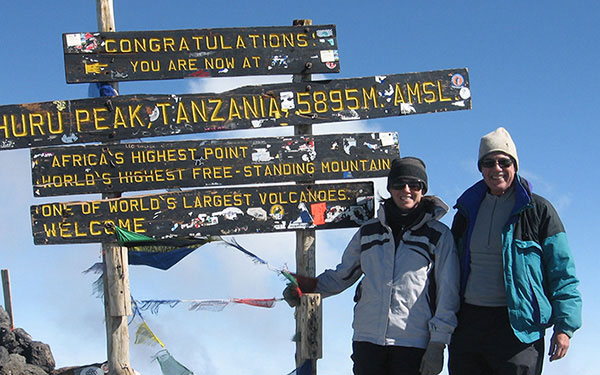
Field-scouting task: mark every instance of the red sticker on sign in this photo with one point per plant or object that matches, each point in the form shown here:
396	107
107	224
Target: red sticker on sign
318	213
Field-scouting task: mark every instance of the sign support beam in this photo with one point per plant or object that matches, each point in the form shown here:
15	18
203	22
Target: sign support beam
305	257
117	299
7	297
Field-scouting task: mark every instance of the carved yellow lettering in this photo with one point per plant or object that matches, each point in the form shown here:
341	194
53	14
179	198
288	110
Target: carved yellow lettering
198	43
429	96
182	64
288	40
36	120
223	45
253	37
335	96
93	224
250	109
138	225
246	63
154	44
274	41
302	42
182	115
59	129
19	129
64	230
398	95
125	45
4	126
77	232
356	101
320	101
215	114
169	44
163	107
183	45
108	47
442	99
233	110
135	116
214	45
171	203
119	118
240	42
301	101
412	91
199	111
81	116
98	119
139	45
370	95
274	110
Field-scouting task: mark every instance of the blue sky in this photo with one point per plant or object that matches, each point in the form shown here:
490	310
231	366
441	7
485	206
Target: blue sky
532	69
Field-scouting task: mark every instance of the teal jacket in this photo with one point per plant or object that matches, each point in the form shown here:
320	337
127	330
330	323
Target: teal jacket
539	271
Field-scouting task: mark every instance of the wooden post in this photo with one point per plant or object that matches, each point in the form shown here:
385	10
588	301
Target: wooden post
7	297
117	298
310	322
308	314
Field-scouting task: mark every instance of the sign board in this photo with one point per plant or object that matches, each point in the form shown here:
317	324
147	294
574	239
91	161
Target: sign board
201	163
171	54
203	212
138	116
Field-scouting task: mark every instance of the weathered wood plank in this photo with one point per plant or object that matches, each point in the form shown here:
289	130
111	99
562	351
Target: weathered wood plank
172	54
139	116
203	212
163	165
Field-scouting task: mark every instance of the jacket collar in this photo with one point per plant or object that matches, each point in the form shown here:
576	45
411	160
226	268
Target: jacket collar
438	208
468	203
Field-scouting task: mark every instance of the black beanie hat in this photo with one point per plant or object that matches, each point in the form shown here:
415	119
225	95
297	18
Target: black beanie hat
407	168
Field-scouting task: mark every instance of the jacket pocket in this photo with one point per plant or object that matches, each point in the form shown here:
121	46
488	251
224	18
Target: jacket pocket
531	275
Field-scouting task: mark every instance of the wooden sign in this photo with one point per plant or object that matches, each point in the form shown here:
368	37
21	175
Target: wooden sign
149	166
204	212
170	54
138	116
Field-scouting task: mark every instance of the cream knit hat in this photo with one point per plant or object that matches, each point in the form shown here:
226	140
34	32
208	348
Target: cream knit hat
498	140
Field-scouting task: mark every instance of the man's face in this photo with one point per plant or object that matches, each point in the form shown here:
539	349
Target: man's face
498	172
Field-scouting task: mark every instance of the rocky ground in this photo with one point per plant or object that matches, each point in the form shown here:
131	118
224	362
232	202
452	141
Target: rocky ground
21	355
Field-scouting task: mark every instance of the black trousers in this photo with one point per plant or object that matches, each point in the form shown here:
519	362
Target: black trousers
485	344
372	359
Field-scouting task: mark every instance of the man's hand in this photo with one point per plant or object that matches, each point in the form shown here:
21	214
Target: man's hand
559	346
433	359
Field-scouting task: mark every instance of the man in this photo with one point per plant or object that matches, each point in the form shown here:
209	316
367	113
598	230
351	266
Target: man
407	297
517	272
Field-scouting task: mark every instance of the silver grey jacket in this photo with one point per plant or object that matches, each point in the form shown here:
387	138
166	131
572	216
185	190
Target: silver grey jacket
409	294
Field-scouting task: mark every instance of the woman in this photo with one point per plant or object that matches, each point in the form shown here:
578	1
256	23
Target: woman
407	299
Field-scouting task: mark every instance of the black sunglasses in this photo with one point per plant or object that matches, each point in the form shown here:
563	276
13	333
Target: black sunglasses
491	163
412	185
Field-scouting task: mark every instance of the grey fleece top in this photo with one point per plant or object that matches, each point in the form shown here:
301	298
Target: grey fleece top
485	286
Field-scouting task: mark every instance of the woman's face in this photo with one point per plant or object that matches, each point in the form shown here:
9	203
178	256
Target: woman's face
407	194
